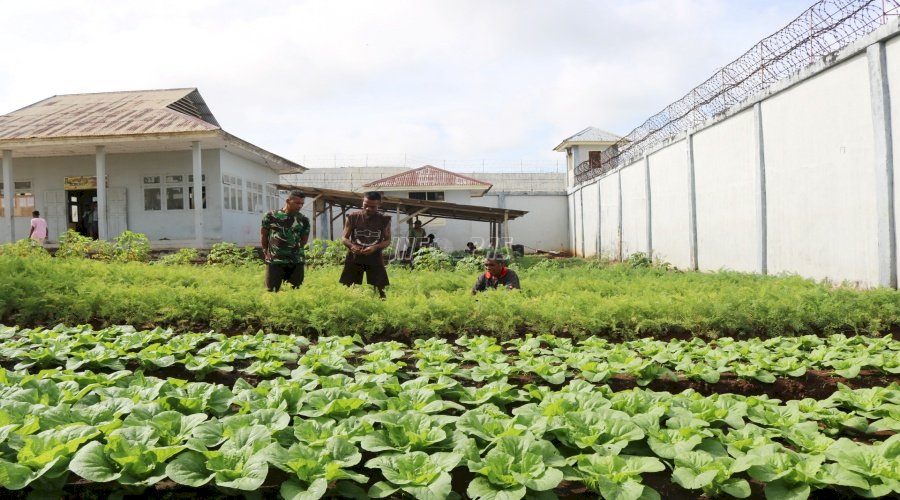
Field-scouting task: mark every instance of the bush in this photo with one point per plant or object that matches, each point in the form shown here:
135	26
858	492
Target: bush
469	264
229	254
431	259
182	257
25	247
127	247
322	253
130	247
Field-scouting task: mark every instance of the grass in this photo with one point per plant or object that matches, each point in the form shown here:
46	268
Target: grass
578	299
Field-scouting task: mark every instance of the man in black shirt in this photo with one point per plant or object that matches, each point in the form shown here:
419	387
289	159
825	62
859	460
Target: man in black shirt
366	233
496	275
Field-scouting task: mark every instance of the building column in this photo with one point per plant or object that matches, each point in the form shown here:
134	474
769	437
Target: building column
620	248
762	257
506	240
692	204
581	211
649	207
197	165
599	222
101	214
884	166
8	199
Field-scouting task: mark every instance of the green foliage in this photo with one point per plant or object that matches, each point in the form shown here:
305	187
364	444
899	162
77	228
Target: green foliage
182	257
323	253
130	246
127	247
615	301
547	265
469	264
26	247
230	254
431	259
73	245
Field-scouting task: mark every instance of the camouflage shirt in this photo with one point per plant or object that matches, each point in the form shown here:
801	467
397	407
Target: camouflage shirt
285	233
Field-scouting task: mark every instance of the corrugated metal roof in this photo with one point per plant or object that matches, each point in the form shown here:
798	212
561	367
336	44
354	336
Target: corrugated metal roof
110	114
427	176
589	135
422	208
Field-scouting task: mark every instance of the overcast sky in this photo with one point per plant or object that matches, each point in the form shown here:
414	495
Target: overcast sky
466	81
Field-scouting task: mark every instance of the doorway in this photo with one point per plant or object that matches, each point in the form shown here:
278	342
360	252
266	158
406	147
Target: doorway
79	202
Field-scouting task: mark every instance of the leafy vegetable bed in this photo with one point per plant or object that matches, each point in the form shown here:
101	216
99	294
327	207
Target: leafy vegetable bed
440	420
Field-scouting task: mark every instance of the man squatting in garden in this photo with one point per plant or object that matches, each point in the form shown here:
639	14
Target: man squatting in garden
496	274
282	237
366	233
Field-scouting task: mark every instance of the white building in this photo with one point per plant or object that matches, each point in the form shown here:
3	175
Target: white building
161	153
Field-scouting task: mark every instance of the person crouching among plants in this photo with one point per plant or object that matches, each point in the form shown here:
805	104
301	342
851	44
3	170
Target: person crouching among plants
496	275
282	236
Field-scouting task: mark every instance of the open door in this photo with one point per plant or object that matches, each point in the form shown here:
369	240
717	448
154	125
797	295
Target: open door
116	211
55	213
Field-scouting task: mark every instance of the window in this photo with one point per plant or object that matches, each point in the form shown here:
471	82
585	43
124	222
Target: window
272	198
233	192
23	199
191	191
427	195
254	197
595	158
169	192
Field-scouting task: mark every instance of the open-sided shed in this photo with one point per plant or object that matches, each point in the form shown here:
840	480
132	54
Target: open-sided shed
336	203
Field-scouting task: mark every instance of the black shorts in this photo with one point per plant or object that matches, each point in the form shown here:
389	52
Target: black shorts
276	274
374	269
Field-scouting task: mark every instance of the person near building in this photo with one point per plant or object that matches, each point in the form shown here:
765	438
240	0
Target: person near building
91	222
366	233
416	237
38	228
470	248
496	275
283	236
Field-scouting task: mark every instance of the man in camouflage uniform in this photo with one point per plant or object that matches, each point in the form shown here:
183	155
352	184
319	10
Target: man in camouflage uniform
282	237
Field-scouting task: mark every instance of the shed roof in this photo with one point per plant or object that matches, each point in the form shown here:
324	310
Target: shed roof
590	135
430	177
408	206
123	122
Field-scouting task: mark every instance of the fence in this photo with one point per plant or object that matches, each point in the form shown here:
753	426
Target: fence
820	31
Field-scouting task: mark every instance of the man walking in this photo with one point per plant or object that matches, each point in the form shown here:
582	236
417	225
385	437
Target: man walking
366	233
38	228
283	236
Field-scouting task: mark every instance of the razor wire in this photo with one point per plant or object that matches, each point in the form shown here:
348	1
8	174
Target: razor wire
819	32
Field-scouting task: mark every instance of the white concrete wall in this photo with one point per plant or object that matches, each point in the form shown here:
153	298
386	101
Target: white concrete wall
590	224
242	226
820	177
724	175
892	48
634	209
539	229
609	215
815	139
670	207
128	170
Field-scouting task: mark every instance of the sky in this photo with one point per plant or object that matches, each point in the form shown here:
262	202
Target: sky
453	83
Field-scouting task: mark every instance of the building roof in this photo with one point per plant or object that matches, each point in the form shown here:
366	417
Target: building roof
590	135
124	122
429	177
